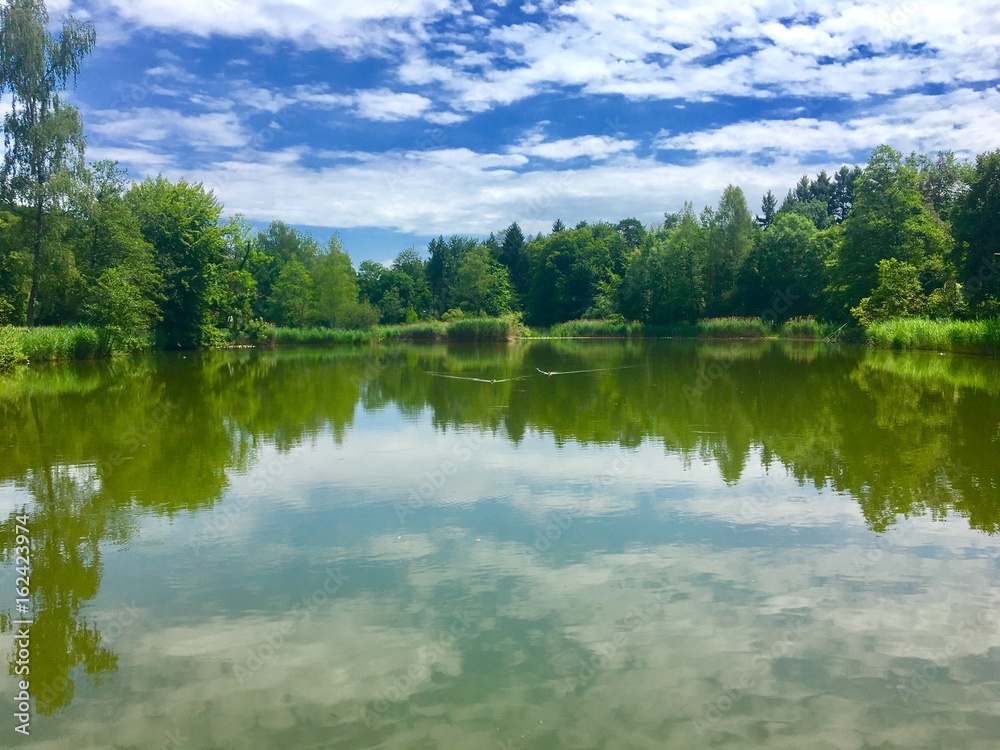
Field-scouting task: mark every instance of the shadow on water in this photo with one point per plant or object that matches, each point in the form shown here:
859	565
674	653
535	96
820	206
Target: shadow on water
97	445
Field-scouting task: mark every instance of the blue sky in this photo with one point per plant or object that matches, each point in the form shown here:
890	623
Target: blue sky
391	121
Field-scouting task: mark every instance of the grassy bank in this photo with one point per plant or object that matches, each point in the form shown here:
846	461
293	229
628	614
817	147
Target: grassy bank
712	328
471	329
967	336
20	345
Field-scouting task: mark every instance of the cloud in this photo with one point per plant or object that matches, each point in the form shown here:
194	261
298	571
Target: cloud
388	106
360	28
592	146
216	130
961	121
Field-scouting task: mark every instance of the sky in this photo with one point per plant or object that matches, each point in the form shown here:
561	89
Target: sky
394	121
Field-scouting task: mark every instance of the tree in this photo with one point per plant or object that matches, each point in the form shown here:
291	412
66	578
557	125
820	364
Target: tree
181	222
731	234
889	220
14	278
292	298
514	257
977	229
663	282
442	269
118	305
43	135
633	232
942	181
335	284
483	285
779	276
898	294
420	302
107	243
768	207
558	226
571	268
842	195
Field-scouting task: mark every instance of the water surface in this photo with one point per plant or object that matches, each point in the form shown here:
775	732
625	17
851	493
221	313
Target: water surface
688	545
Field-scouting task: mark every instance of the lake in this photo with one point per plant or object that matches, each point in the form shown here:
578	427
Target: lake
661	545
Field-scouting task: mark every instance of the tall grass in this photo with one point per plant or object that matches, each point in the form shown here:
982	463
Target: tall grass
733	328
429	331
968	336
806	328
317	337
51	344
576	329
481	329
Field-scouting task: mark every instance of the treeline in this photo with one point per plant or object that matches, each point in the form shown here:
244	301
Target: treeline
902	237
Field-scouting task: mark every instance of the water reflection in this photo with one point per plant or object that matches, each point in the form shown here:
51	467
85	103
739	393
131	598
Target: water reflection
98	447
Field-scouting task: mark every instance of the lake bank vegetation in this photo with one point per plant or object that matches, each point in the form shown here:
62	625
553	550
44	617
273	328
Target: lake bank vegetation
904	249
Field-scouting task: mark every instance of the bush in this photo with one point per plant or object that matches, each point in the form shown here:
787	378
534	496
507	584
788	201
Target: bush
358	316
11	352
733	328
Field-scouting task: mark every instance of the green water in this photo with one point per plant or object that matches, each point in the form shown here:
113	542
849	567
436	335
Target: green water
732	545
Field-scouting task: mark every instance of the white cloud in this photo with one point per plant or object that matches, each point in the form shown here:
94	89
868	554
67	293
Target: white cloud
640	48
216	130
389	106
592	146
962	121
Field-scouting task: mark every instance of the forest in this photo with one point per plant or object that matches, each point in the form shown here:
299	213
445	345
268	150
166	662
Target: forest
159	261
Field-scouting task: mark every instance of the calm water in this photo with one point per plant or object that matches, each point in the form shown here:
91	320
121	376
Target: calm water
732	546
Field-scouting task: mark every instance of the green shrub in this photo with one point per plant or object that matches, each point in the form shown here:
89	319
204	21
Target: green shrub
733	328
11	352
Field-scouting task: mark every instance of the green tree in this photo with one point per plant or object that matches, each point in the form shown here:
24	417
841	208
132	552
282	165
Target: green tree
181	222
483	285
514	257
898	294
664	282
336	285
889	220
777	278
768	208
15	281
420	302
111	253
731	235
442	269
43	135
977	229
118	305
292	298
